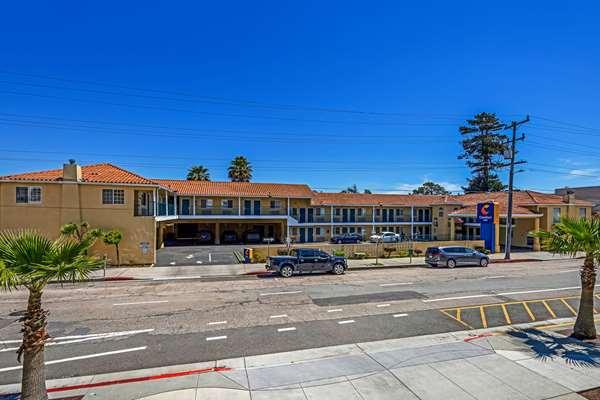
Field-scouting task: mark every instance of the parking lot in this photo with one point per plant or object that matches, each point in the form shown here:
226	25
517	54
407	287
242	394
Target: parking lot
197	255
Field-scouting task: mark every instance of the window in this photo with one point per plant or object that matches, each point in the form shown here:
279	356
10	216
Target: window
226	203
582	213
294	211
555	215
318	212
338	211
113	196
359	230
318	231
275	203
440	212
399	212
206	203
29	194
377	212
361	212
337	230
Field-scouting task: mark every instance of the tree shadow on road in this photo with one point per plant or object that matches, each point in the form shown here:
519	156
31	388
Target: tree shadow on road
548	347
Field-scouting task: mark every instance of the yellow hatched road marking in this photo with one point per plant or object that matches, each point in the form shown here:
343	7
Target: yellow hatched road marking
458	315
529	311
506	316
548	308
568	306
483	319
456	319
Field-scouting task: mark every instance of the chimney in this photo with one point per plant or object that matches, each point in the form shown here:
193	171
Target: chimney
72	172
569	196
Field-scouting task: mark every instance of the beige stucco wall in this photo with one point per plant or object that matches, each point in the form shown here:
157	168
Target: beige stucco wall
71	202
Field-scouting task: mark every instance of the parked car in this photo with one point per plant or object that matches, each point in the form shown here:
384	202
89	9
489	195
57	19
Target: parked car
252	237
205	237
451	256
347	238
229	237
306	261
385	237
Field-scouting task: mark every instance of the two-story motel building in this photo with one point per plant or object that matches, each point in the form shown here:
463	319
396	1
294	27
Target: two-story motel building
149	210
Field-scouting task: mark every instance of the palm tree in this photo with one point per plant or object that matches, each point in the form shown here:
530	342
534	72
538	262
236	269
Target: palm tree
30	260
571	236
198	173
240	170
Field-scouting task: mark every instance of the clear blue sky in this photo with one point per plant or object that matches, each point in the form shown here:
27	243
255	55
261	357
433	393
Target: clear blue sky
156	87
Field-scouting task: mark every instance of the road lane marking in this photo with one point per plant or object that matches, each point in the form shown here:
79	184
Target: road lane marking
209	257
460	297
280	293
568	306
63	360
395	284
548	308
141	302
291	328
348	321
506	316
568	270
399	315
217	323
91	335
494	277
279	316
483	319
529	311
538	291
208	339
383	305
335	310
172	263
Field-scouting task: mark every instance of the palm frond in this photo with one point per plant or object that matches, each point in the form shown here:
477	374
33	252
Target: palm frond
9	279
571	236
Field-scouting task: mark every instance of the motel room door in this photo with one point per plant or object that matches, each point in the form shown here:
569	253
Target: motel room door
302	235
310	235
185	206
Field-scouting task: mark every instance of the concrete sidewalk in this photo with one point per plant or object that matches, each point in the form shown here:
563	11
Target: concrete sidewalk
207	271
502	363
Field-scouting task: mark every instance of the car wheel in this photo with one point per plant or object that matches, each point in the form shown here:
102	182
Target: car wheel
338	269
451	263
484	262
286	271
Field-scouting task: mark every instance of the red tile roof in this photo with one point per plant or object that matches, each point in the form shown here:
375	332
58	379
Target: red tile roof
472	211
252	189
96	173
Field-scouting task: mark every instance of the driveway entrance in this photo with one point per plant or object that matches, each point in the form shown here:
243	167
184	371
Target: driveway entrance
197	255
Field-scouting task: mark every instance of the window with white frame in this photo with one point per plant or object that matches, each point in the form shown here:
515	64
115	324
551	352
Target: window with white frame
226	203
399	212
28	194
294	211
555	215
337	230
361	212
582	212
113	196
275	203
318	231
206	203
338	211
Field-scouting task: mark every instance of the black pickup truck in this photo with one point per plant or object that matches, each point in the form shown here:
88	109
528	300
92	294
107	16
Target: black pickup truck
306	261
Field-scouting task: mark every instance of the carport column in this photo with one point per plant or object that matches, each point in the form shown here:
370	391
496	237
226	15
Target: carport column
497	238
452	229
536	240
154	199
412	221
193	205
166	203
175	203
372	220
288	206
217	233
239	206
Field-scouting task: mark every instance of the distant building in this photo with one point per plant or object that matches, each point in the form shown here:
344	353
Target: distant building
589	193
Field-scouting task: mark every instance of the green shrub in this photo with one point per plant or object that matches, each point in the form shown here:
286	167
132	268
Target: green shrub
339	253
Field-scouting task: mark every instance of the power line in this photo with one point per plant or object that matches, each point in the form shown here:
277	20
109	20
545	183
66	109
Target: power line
232	101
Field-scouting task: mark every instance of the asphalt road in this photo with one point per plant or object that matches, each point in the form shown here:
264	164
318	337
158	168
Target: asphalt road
117	326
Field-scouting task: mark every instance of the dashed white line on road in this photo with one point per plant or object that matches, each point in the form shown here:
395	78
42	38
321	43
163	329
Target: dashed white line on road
395	284
279	316
63	360
399	315
568	270
209	257
278	293
291	328
348	321
335	310
494	277
217	323
172	263
538	291
198	262
141	302
61	339
208	339
383	305
189	256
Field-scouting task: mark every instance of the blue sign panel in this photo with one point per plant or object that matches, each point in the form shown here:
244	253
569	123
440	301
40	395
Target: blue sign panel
487	220
485	212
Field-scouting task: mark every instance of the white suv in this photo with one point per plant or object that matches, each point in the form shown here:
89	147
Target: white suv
385	237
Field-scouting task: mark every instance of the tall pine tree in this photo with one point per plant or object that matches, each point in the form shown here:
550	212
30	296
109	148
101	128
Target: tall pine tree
483	149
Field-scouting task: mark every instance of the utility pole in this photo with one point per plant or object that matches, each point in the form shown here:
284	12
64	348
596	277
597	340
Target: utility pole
513	152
